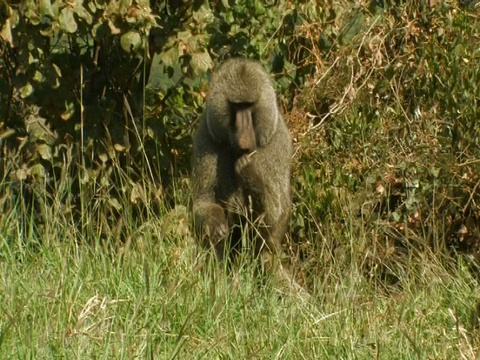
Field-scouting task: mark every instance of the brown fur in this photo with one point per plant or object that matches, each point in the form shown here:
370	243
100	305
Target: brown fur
241	164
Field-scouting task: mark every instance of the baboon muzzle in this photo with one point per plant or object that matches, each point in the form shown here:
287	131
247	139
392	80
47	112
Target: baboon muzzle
244	138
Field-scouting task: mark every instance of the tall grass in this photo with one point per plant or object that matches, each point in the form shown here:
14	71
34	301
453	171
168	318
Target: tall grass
385	171
66	294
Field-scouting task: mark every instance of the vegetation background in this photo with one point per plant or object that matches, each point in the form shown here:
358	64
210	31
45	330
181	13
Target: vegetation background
98	101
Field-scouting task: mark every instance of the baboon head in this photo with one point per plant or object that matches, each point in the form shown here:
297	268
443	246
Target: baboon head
242	109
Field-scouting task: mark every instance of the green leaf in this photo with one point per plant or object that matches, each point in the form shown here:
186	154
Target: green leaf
131	41
44	151
259	8
396	216
91	6
170	57
101	30
26	90
6	33
204	14
69	111
82	13
46	8
38	76
434	172
201	62
124	5
21	174
225	4
37	170
67	21
57	70
100	4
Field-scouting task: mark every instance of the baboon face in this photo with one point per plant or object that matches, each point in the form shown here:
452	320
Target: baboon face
242	132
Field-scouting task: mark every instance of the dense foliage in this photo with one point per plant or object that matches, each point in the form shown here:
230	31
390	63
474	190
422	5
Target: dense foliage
98	101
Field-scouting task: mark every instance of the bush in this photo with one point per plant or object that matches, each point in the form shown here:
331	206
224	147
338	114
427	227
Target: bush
99	100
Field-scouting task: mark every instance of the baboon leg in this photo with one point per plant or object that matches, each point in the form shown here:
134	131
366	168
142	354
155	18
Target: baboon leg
270	253
220	248
211	225
219	234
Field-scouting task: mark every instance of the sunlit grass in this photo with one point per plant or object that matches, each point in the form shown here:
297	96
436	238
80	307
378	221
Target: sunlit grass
108	268
72	298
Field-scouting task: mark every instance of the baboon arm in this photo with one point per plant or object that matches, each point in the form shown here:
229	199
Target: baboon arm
205	160
204	177
210	221
265	178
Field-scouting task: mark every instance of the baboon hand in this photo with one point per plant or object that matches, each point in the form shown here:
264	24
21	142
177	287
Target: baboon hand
216	226
243	161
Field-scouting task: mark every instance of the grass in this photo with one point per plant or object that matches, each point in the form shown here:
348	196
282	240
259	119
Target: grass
385	176
63	296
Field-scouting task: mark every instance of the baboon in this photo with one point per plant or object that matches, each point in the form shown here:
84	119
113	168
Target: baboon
242	154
